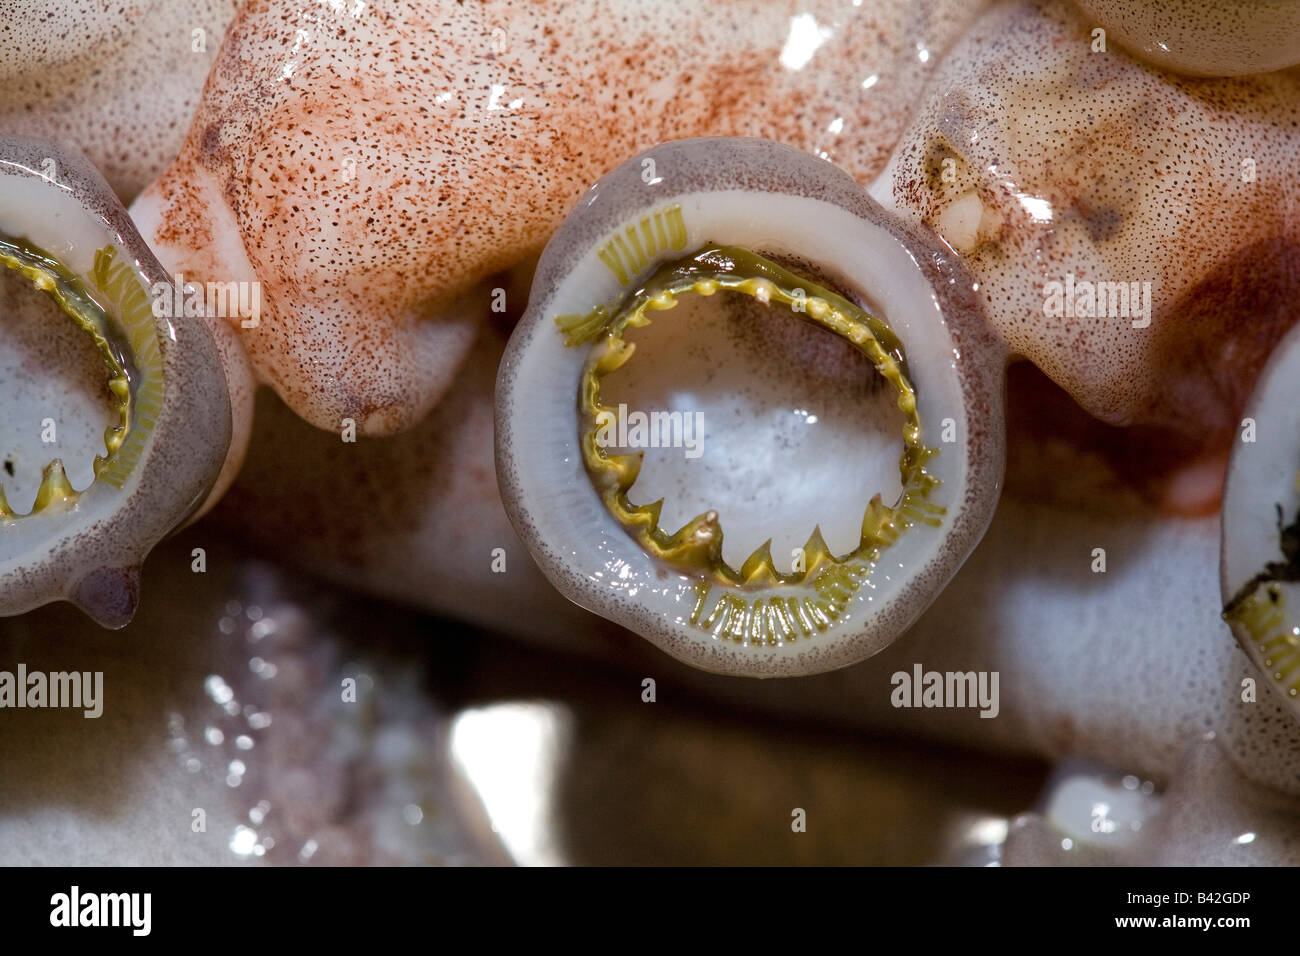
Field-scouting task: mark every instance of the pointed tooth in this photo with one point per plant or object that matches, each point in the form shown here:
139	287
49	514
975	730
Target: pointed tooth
697	542
758	567
5	510
815	550
664	300
652	511
702	526
55	490
114	435
876	522
120	386
629	466
616	354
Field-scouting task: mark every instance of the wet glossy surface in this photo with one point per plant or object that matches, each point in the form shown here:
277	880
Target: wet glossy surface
1130	667
231	702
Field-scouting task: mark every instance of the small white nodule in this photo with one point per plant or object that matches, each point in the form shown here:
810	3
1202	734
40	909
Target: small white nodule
959	222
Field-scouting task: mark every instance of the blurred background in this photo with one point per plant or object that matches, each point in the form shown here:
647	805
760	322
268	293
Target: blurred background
255	715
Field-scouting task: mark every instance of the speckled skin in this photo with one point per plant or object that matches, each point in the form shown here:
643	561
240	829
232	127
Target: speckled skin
290	506
1158	681
1143	174
384	174
119	80
1228	38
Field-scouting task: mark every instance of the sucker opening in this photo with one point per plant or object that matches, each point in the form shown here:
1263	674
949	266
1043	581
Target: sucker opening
730	300
56	405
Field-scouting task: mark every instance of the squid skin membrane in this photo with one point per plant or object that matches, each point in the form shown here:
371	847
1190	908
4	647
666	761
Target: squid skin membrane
349	513
1203	39
1054	169
369	183
343	340
1067	250
118	81
380	194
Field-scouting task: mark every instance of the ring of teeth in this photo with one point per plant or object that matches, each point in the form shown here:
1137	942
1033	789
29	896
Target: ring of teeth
697	545
51	277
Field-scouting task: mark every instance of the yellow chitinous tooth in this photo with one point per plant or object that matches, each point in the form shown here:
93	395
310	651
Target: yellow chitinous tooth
615	355
697	543
879	525
56	492
120	387
5	510
664	300
648	515
815	551
758	569
114	435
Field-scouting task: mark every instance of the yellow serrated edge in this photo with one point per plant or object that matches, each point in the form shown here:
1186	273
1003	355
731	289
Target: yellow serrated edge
697	545
138	410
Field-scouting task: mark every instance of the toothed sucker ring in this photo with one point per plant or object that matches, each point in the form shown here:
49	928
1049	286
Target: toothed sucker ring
1260	567
115	421
809	374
